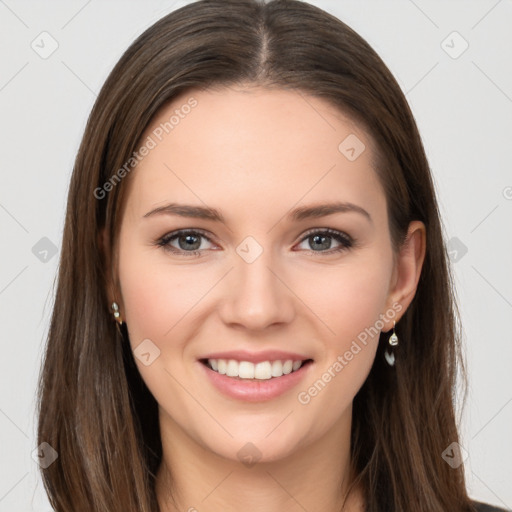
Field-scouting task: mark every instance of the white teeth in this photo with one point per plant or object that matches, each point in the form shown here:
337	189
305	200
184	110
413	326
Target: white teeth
277	369
232	368
247	370
221	365
287	367
262	370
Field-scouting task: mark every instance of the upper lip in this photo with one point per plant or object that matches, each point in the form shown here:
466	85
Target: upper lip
257	357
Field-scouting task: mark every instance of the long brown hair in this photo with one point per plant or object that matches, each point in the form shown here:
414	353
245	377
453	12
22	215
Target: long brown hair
94	408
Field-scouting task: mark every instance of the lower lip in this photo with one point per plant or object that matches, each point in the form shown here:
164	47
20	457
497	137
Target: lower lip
255	390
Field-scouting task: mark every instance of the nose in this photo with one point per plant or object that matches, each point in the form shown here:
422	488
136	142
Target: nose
256	295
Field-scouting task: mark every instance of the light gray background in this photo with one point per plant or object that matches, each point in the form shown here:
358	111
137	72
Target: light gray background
463	107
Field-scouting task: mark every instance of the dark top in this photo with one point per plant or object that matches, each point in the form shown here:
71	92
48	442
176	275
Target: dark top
484	507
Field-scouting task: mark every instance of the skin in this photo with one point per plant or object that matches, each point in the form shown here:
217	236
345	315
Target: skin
254	154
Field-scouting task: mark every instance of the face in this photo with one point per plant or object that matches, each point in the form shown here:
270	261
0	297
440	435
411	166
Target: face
314	287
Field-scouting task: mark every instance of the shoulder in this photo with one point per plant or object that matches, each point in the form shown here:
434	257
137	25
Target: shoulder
484	507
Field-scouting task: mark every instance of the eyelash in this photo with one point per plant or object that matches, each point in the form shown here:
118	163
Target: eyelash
345	240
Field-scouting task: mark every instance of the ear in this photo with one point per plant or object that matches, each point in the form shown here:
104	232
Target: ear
408	265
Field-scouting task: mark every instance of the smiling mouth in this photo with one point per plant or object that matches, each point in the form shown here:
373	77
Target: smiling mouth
245	370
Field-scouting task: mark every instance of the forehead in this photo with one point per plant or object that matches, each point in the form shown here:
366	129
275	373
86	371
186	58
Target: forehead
253	148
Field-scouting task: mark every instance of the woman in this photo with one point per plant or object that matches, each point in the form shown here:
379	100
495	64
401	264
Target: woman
302	355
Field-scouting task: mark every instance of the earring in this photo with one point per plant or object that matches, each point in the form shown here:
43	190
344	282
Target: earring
117	315
393	342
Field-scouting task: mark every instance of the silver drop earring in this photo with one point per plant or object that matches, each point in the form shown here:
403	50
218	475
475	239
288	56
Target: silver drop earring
393	342
117	316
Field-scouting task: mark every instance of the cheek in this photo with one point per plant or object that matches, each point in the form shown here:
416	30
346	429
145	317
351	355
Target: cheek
349	298
361	301
351	310
155	297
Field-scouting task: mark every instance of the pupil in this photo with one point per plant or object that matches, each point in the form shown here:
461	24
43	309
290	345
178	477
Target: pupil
325	245
189	238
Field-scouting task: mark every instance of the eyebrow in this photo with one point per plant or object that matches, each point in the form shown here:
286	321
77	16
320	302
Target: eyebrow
297	214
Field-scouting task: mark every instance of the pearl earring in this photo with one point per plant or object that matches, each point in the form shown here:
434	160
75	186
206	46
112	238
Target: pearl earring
393	342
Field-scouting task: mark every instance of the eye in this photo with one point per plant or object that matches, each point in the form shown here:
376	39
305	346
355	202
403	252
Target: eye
321	238
189	241
186	239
